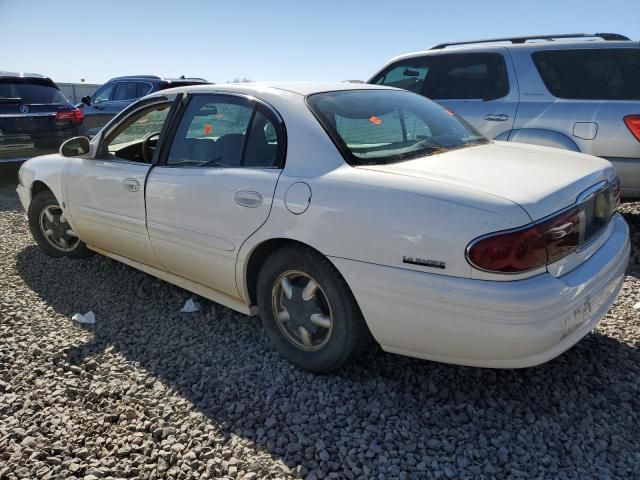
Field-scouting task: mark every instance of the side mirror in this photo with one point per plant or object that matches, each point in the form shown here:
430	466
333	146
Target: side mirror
86	100
74	147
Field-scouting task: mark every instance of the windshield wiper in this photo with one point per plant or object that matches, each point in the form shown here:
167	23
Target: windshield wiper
213	162
11	100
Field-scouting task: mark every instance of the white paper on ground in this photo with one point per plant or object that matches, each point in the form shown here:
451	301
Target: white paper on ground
637	306
190	306
88	317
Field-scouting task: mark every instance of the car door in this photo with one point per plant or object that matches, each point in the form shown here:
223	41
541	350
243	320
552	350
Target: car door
480	87
97	114
214	187
105	194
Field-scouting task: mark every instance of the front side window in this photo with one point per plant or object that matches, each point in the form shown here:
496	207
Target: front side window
104	93
136	134
591	74
224	131
384	126
471	76
409	74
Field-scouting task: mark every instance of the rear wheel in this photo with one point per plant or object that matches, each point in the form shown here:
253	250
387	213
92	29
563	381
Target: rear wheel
51	230
308	310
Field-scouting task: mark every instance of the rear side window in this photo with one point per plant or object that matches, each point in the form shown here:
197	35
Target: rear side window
591	74
471	76
30	93
226	131
129	90
409	74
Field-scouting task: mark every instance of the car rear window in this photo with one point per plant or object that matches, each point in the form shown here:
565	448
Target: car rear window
30	93
591	74
385	126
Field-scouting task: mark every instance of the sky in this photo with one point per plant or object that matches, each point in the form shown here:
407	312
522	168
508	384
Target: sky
70	40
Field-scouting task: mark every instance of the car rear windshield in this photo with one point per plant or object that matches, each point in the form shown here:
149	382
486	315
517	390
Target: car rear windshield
30	93
385	126
591	74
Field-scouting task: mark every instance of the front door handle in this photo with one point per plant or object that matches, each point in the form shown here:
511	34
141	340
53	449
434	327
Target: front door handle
496	117
131	184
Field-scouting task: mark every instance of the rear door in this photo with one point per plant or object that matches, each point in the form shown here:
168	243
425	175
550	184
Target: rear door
584	94
214	187
480	87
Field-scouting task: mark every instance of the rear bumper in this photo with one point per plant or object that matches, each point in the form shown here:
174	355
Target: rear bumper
50	139
509	324
629	172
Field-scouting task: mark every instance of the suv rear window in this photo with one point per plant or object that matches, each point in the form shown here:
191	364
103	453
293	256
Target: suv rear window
30	93
372	127
591	74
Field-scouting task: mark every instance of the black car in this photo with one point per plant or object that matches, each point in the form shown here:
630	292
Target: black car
34	114
120	92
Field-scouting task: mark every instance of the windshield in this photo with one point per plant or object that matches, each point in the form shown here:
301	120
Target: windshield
30	93
373	127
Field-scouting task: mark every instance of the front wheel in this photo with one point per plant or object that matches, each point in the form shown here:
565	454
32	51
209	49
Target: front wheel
308	310
51	230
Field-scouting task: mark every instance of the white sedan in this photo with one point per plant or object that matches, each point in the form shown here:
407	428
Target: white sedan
342	214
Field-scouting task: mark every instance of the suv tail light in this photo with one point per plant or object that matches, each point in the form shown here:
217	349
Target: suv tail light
547	241
75	116
633	124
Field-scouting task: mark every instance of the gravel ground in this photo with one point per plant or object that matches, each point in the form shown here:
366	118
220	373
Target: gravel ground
154	393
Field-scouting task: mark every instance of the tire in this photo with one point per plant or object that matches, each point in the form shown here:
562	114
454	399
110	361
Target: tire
327	348
45	200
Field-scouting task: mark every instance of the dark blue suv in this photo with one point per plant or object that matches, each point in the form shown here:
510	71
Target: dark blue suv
119	92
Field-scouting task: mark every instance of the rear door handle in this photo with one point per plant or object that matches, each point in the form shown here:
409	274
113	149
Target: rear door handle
131	184
496	117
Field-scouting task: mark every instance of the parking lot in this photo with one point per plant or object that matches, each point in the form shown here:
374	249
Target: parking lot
151	392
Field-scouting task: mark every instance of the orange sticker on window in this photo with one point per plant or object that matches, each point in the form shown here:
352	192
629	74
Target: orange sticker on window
375	120
208	128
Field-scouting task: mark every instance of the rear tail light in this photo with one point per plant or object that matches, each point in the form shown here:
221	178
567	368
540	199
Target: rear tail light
545	242
74	116
633	124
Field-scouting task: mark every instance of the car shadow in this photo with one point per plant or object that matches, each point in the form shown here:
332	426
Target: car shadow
208	356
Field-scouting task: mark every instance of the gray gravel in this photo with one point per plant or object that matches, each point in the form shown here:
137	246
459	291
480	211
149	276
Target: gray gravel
150	392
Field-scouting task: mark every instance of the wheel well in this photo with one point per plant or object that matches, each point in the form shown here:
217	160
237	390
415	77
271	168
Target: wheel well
257	258
37	187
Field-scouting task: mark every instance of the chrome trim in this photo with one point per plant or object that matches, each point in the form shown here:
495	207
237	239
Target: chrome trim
583	197
23	115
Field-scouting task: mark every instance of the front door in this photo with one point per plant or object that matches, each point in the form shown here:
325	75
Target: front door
215	187
480	87
105	195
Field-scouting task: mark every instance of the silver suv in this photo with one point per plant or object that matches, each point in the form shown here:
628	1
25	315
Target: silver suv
580	92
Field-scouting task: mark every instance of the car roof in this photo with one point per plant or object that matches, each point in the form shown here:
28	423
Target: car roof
162	79
22	75
531	46
300	88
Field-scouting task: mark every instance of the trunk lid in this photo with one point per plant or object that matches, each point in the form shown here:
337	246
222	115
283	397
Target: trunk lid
37	118
541	180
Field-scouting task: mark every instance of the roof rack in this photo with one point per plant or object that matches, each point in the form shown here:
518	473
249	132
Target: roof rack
604	36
